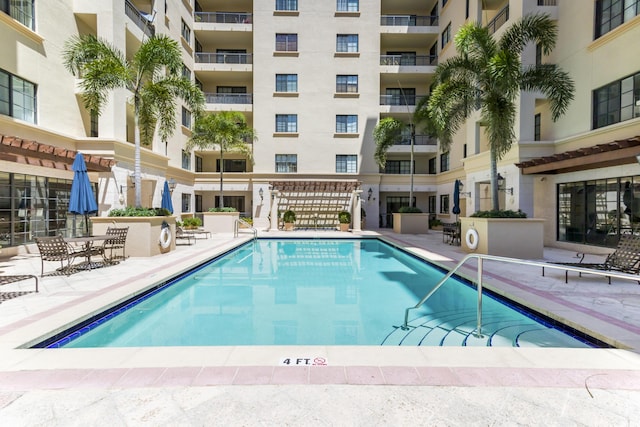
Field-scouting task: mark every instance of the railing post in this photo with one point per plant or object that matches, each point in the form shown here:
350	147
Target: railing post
479	313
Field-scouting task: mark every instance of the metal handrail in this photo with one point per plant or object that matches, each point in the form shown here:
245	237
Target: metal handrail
482	257
236	228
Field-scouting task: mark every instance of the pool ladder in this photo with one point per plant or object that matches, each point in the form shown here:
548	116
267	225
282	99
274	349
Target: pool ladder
482	257
245	224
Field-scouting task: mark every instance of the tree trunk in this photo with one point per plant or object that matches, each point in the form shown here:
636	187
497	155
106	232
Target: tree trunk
136	162
221	177
495	196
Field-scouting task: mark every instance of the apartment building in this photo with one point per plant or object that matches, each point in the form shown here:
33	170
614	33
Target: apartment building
313	79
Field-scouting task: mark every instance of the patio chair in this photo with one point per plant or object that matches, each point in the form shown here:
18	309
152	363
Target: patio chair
113	249
182	235
56	249
625	259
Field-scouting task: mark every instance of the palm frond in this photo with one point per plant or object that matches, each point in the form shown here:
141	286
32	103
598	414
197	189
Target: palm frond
498	116
475	43
449	106
555	83
537	28
157	55
386	134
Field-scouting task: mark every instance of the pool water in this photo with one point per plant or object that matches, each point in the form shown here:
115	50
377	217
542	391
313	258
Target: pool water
314	292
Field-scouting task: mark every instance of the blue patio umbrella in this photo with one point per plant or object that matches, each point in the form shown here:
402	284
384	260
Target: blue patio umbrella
82	201
166	202
456	198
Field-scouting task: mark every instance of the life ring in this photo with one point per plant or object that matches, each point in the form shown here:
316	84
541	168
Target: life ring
165	238
471	235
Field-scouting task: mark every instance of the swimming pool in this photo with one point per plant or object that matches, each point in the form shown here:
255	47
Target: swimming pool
312	292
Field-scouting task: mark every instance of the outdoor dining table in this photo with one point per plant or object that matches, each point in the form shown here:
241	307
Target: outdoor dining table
87	249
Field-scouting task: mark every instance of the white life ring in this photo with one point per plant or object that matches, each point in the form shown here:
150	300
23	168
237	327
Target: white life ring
165	238
471	235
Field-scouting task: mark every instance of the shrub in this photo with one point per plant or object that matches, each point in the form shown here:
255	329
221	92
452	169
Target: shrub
289	216
192	222
434	223
409	209
499	214
225	209
344	217
133	211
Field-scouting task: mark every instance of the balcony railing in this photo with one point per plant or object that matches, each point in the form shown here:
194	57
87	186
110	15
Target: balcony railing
223	17
224	58
229	98
419	140
409	60
499	20
408	20
143	23
400	100
547	2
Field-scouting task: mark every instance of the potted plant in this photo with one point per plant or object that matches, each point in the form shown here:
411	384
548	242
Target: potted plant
410	220
344	218
192	223
289	217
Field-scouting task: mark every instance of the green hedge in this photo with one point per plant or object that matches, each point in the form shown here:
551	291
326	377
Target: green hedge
499	214
229	209
133	211
409	209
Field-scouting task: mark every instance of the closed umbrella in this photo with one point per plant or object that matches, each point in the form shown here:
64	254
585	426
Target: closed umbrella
166	202
456	199
82	201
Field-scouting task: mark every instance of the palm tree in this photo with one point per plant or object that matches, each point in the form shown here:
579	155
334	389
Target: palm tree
153	76
226	131
487	74
389	131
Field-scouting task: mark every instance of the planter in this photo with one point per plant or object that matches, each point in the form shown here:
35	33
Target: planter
289	226
219	222
344	227
143	235
411	223
508	237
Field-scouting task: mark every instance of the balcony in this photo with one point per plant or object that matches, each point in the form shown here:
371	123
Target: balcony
419	140
142	20
224	58
499	20
408	21
395	100
223	17
242	102
409	61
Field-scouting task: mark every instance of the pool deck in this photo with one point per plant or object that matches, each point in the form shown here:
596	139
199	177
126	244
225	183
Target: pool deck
358	386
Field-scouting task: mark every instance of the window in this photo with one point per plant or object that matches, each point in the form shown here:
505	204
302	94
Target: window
346	123
17	97
21	11
347	43
286	82
617	101
286	123
538	54
464	151
536	127
346	163
185	32
186	72
186	118
232	165
432	166
613	13
446	36
444	162
444	2
398	167
286	4
186	202
198	164
186	160
444	203
466	10
93	131
347	6
347	83
286	42
286	162
198	202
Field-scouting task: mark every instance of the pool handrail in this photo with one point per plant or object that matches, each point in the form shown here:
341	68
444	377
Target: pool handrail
236	228
482	257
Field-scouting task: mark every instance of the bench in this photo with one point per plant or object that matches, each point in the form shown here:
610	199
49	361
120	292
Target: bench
5	280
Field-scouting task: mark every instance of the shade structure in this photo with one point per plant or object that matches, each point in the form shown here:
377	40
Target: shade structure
456	198
82	201
166	202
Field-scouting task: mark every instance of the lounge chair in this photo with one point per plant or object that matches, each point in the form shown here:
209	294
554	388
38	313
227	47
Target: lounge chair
56	249
6	279
113	249
181	235
625	259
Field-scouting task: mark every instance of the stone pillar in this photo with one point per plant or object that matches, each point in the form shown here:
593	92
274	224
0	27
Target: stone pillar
356	215
274	210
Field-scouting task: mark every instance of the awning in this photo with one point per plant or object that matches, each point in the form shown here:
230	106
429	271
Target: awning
34	153
619	152
315	186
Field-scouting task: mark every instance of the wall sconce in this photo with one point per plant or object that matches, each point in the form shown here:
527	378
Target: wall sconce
172	184
369	194
261	194
501	186
132	180
463	193
121	196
